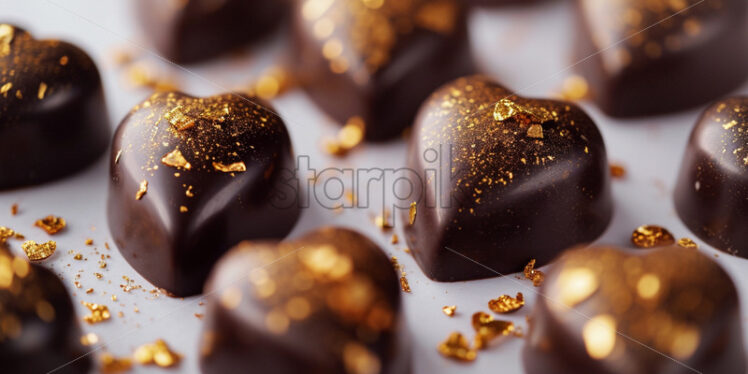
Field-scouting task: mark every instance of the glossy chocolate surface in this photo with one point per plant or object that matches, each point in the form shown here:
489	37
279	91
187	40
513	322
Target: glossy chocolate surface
671	55
517	179
39	330
188	31
711	196
215	170
328	302
53	118
378	63
606	311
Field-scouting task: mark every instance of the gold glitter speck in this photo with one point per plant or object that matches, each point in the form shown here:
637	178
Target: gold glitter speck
111	364
412	213
142	190
535	131
649	236
157	353
179	119
536	276
687	243
42	91
449	310
99	313
176	159
506	303
236	167
51	224
457	347
38	252
6	37
488	329
404	284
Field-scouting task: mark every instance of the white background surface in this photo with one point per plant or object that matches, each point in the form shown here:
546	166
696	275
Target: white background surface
525	48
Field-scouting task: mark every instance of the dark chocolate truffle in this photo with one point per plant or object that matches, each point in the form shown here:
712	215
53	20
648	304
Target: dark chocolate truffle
644	57
711	196
53	117
377	61
192	177
186	31
506	179
38	329
328	302
670	310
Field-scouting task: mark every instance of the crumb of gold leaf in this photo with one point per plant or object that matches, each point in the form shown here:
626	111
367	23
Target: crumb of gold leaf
98	275
179	119
412	213
649	236
535	131
183	209
404	284
617	171
449	310
90	291
175	159
51	224
575	87
507	108
89	339
142	190
99	313
38	252
506	303
687	243
457	347
536	276
14	209
89	241
6	233
236	167
382	221
487	329
111	364
157	353
199	315
42	90
394	239
6	37
78	257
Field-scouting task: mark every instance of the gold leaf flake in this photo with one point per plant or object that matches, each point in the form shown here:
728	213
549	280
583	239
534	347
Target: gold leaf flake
617	171
179	119
99	313
42	90
457	347
5	88
6	37
64	60
488	329
535	131
687	243
142	190
536	276
412	213
507	108
176	159
449	310
38	252
110	364
394	239
236	167
51	224
649	236
404	284
157	353
506	303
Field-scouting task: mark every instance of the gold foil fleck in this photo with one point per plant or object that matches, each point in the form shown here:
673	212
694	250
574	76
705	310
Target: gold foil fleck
412	213
536	276
38	252
449	310
488	329
236	167
535	131
99	313
617	171
14	209
6	233
111	365
394	239
457	347
5	88
51	224
179	119
142	190
88	241
506	303
183	209
157	353
42	91
404	284
6	37
687	243
507	108
64	60
176	159
649	236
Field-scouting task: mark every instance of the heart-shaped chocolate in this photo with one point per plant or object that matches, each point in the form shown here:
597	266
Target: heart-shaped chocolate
39	331
644	57
603	310
377	61
505	180
191	177
328	302
53	117
711	196
187	31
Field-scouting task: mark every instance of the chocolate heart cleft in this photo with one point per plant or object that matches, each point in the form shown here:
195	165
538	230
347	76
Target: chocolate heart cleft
327	302
608	311
191	177
711	196
505	179
53	116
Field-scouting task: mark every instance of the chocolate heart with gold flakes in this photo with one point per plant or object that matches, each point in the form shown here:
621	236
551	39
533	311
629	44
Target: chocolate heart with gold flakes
39	331
607	311
374	62
505	179
53	117
328	302
191	177
644	57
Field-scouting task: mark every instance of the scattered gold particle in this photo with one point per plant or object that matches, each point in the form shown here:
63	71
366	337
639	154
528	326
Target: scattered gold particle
6	37
412	213
687	243
506	303
14	209
507	108
535	131
536	276
6	233
449	310
183	209
199	315
5	88
404	284
157	353
38	252
142	190
179	119
617	171
176	159
64	60
78	257
649	236
42	91
51	224
488	329
236	167
90	291
111	365
99	313
394	239
89	339
457	347
98	275
89	241
383	221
